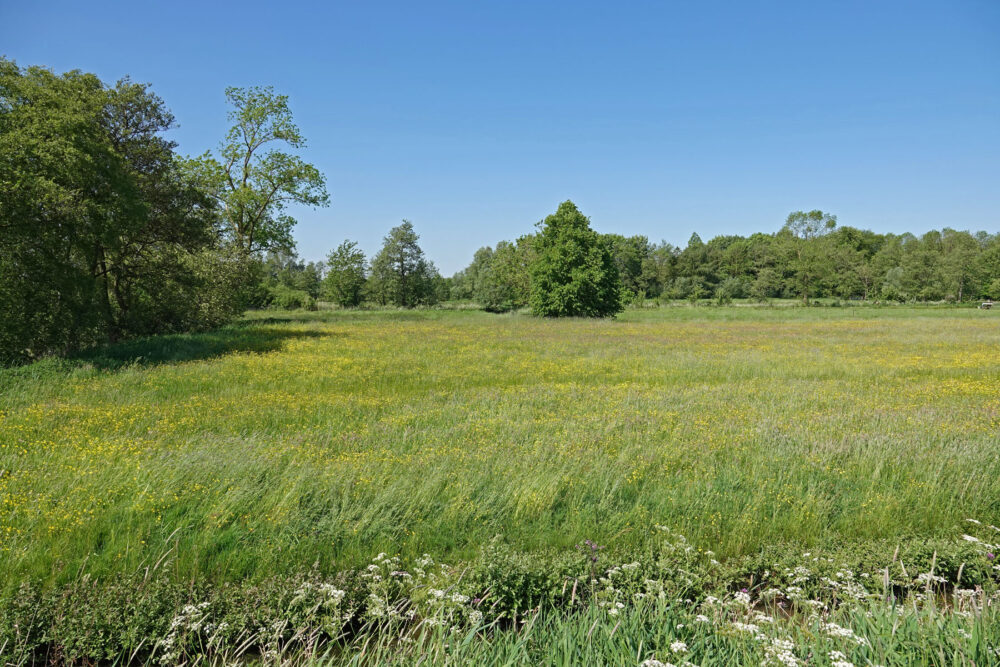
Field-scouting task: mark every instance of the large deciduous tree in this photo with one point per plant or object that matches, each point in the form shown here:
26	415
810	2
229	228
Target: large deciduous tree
49	135
104	231
573	273
256	179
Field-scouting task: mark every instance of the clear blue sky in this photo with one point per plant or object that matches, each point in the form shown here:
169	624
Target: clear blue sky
475	119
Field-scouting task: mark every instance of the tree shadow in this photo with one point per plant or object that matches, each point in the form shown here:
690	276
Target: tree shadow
241	337
261	321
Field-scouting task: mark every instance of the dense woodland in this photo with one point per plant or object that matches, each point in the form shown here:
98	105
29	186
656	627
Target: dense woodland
106	233
809	257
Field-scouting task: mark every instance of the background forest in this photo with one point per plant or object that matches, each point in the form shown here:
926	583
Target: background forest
108	234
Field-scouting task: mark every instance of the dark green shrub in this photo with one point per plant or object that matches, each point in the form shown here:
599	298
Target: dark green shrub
283	297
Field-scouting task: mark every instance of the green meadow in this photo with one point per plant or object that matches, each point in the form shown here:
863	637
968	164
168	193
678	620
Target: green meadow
313	441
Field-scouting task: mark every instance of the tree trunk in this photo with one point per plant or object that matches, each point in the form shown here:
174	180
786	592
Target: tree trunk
109	318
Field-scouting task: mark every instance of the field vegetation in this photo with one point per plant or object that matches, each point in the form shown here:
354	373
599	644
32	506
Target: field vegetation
718	449
344	475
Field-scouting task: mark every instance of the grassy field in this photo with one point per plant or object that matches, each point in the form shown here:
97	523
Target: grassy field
288	441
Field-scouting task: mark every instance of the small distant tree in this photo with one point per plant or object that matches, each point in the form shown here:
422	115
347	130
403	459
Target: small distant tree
865	275
766	285
993	288
729	289
346	274
287	282
400	274
466	283
629	254
807	257
574	273
958	266
504	283
892	286
658	268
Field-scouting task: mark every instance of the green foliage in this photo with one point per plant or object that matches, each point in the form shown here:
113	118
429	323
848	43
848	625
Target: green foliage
105	230
806	253
283	297
281	280
515	582
345	275
813	602
254	182
500	278
632	257
809	257
400	274
573	273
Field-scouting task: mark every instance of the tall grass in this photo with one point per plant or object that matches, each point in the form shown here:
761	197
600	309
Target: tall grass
306	440
272	444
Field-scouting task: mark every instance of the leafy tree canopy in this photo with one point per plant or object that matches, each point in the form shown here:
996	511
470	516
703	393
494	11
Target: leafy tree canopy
573	273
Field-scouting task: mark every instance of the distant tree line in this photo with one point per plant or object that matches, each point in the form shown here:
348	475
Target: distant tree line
567	268
398	275
809	257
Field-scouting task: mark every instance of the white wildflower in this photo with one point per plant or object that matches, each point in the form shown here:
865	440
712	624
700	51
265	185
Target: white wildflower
745	627
835	630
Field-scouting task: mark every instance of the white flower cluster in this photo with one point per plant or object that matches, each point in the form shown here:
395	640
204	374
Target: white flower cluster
834	630
928	578
780	652
190	620
838	659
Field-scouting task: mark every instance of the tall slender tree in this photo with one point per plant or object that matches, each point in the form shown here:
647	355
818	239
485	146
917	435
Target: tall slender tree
257	178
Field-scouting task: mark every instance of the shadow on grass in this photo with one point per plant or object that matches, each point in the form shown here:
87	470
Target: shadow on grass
240	337
261	321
